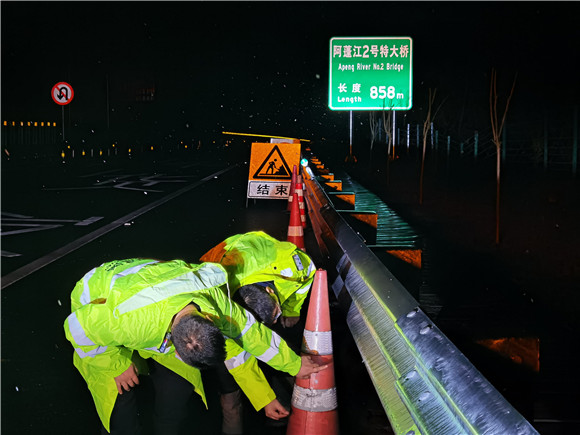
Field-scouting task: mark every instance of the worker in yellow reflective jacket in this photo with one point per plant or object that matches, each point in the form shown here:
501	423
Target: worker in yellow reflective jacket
270	278
179	318
256	257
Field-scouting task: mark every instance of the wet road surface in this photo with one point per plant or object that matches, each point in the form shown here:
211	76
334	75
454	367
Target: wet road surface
60	220
172	209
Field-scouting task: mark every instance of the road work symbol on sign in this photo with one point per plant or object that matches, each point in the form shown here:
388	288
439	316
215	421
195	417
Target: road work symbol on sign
274	167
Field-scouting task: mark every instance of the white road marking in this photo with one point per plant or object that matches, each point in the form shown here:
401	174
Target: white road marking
10	254
31	228
32	267
89	221
14	215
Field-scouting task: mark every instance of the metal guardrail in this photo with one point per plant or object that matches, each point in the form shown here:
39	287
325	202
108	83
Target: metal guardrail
426	385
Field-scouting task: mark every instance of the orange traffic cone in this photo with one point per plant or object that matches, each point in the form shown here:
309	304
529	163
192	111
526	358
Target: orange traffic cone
314	403
295	231
301	206
292	189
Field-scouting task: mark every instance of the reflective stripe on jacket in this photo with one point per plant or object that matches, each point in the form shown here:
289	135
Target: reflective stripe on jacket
129	305
257	257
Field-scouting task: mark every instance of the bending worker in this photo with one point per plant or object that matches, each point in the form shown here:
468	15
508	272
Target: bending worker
179	318
271	279
256	257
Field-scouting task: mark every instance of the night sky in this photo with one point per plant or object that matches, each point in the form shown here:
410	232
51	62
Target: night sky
262	67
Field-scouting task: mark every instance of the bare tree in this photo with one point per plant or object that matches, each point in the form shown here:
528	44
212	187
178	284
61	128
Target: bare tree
496	129
428	120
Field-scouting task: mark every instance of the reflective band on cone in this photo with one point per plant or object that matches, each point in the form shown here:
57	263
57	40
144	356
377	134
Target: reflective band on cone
317	342
301	206
314	402
310	400
295	231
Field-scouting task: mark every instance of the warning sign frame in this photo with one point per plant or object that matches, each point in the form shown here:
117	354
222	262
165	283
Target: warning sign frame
270	173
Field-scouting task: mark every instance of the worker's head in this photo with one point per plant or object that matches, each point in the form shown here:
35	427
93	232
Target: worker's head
198	341
261	300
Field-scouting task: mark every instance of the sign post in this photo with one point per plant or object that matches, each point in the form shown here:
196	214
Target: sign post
62	94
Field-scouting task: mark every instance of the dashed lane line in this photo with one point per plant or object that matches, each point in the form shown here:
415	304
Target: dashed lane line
35	265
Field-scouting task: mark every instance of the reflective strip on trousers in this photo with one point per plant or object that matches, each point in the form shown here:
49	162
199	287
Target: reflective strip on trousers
317	342
310	400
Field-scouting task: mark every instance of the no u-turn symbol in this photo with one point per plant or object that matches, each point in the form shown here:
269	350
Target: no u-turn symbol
62	93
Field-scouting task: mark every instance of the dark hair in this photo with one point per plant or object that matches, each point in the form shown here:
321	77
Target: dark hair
198	342
255	298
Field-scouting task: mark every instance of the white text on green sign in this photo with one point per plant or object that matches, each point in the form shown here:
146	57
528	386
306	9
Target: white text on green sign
373	73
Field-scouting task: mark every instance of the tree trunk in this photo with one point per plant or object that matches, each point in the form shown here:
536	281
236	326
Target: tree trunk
497	191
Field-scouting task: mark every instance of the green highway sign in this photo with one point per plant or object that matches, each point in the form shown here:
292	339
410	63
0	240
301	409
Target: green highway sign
374	73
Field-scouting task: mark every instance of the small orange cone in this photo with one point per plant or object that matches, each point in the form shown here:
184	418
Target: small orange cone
301	206
314	403
292	189
295	231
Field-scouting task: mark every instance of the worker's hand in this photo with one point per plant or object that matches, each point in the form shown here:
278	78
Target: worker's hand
289	322
275	410
128	379
309	367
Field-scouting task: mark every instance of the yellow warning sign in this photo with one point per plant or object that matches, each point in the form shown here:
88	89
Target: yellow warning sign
273	161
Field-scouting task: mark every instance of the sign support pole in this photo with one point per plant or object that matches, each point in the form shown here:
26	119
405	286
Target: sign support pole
394	132
62	94
350	158
350	135
63	140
